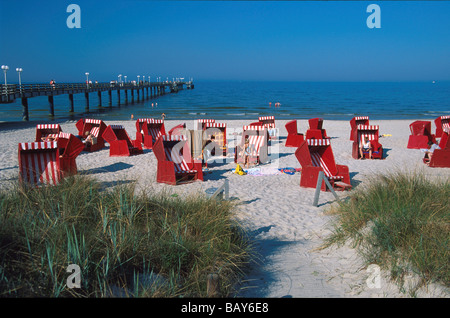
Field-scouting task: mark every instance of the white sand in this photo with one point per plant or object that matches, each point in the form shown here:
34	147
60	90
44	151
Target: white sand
287	228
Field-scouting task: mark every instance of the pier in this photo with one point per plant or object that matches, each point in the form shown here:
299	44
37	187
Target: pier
139	91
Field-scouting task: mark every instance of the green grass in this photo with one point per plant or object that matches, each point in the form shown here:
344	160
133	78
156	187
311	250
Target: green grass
399	221
137	245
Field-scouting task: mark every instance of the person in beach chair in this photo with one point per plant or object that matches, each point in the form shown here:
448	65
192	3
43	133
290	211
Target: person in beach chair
365	147
47	132
96	127
361	148
439	156
429	151
257	150
316	155
175	164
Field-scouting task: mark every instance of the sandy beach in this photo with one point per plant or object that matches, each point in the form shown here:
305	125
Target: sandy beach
287	228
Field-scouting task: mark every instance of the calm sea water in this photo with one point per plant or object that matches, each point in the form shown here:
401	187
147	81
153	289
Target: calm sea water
249	100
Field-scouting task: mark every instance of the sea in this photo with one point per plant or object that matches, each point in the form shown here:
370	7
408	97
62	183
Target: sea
248	100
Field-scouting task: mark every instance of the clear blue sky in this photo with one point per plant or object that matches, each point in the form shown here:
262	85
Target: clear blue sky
230	40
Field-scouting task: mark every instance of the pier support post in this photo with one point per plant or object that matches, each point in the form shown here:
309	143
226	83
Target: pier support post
71	103
25	109
132	95
137	91
118	97
99	94
51	106
126	96
110	97
86	97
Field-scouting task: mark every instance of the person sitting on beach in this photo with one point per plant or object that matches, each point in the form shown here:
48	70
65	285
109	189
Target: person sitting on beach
90	139
48	138
365	146
429	151
246	152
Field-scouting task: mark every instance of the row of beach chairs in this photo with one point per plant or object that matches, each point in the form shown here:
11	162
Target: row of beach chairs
52	155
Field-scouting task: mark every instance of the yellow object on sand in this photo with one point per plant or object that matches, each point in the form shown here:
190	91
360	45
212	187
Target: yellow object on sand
239	170
386	135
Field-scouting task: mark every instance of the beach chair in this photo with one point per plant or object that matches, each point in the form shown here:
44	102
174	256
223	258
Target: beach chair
148	130
44	131
315	155
294	138
178	129
39	163
258	142
420	134
441	122
354	122
269	123
370	131
120	143
315	130
175	164
96	127
441	157
69	148
202	122
219	131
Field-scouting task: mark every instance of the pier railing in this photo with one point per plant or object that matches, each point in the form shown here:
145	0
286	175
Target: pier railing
10	92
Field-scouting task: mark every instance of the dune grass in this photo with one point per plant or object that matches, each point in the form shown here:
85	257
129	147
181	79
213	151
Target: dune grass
125	244
399	221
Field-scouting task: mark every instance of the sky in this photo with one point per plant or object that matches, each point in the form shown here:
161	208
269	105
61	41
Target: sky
225	40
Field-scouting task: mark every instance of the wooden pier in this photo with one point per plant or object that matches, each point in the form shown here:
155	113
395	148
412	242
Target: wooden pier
9	93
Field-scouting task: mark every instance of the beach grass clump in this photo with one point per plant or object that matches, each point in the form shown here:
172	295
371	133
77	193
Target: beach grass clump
401	222
122	243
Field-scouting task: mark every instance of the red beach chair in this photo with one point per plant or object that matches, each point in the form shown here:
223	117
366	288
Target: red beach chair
294	138
219	131
370	131
47	130
354	122
441	122
175	164
441	157
39	163
148	130
202	122
178	129
315	130
315	155
420	134
69	149
258	142
96	127
120	144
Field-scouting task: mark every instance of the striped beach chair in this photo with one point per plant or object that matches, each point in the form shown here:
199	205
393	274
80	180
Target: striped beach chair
148	130
175	164
258	142
69	148
39	163
441	157
315	130
202	122
315	155
354	122
120	143
178	129
269	123
294	138
44	131
420	134
441	123
94	126
370	131
219	131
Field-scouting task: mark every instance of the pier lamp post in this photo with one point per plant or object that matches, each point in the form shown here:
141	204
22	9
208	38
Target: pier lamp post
87	79
138	79
119	77
149	79
5	69
125	77
19	70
